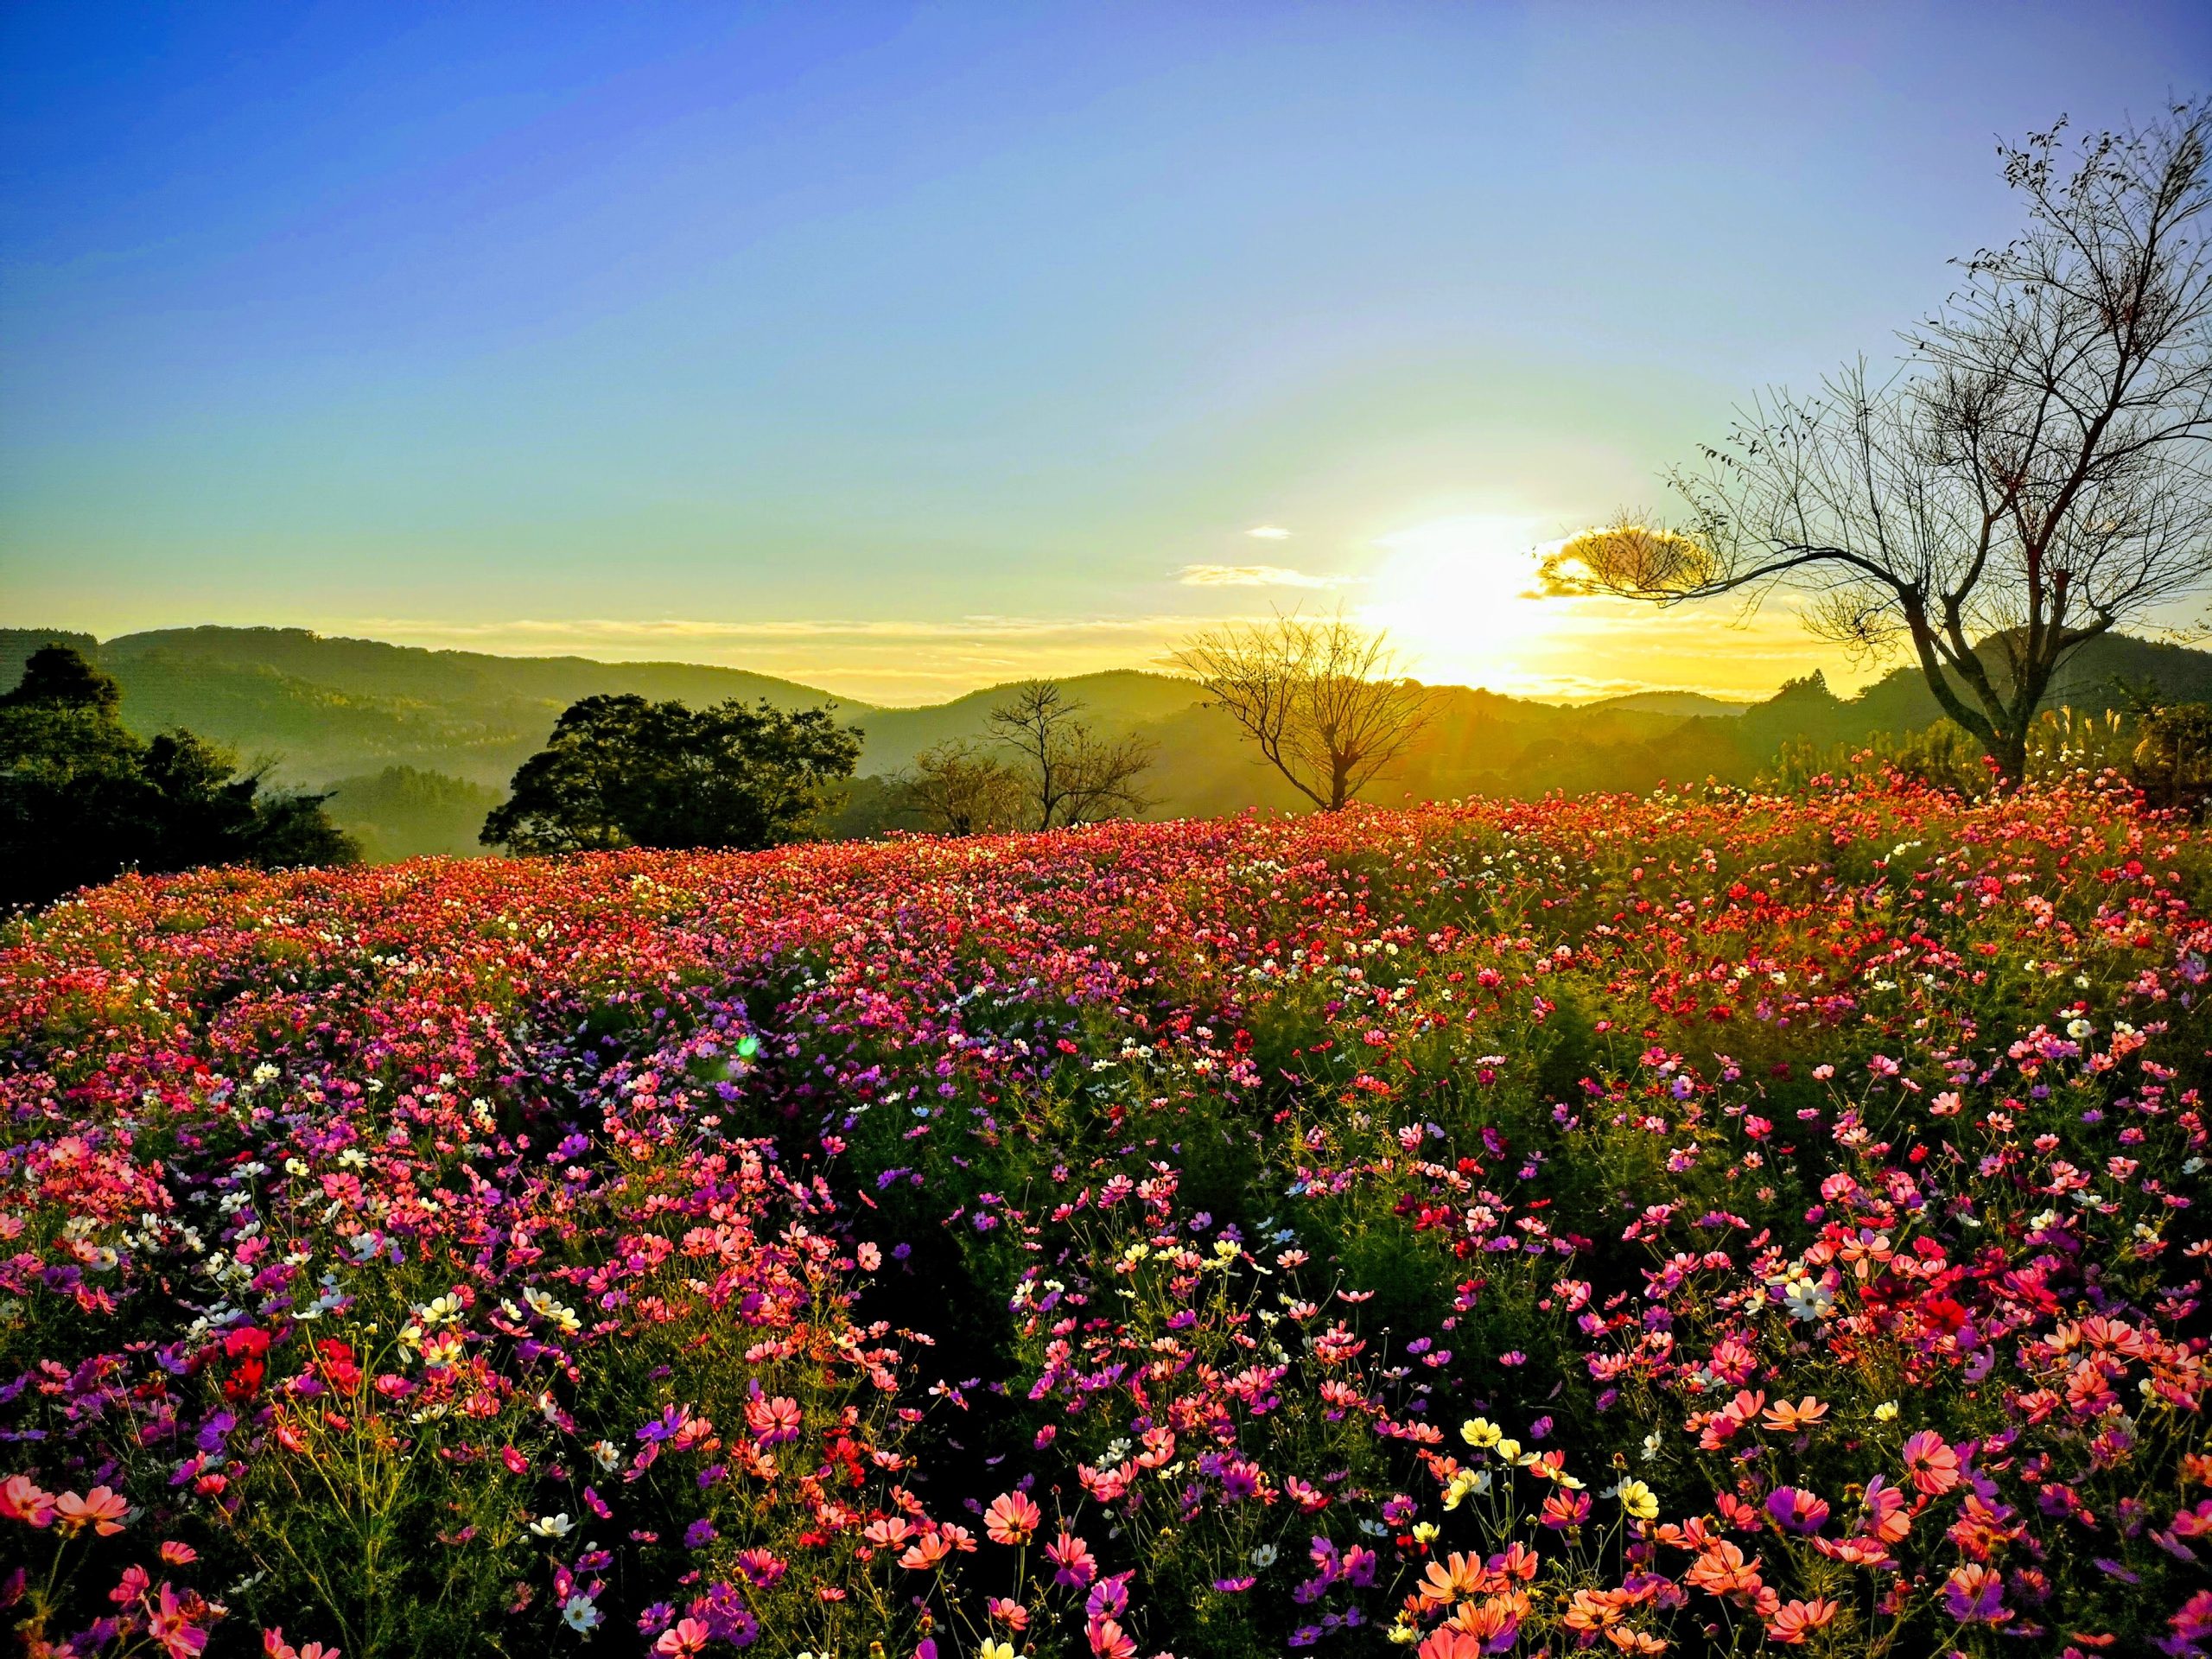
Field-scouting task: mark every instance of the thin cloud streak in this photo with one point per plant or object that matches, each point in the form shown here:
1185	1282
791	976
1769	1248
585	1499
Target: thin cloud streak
1254	575
612	630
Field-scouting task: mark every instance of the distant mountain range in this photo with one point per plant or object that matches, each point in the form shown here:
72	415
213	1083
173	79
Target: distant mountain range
1683	704
419	744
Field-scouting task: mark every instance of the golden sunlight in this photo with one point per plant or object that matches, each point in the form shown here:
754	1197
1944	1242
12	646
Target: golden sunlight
1460	595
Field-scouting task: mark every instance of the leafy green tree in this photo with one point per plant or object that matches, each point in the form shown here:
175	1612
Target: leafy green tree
82	799
58	677
622	772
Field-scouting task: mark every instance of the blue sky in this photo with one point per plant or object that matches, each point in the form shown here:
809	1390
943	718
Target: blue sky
903	350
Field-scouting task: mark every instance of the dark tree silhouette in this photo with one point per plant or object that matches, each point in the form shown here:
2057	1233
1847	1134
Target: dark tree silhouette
960	788
1322	699
58	677
1073	775
622	772
82	799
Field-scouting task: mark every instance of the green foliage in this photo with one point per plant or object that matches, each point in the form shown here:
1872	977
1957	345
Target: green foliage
2061	743
1940	757
82	800
2172	757
407	812
621	772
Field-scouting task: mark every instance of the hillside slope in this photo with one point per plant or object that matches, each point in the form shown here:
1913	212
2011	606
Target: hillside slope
418	740
325	708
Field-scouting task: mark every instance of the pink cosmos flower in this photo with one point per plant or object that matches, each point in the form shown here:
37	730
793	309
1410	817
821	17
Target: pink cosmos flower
1974	1594
169	1623
1013	1518
773	1421
21	1500
1797	1509
685	1638
1076	1565
1790	1622
1930	1464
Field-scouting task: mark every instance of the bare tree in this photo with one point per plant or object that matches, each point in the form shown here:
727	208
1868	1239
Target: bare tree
1322	698
2035	473
1075	777
959	788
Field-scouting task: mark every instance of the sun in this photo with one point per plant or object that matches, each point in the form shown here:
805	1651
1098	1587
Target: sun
1458	595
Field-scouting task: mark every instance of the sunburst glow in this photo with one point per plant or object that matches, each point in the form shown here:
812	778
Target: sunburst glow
1459	595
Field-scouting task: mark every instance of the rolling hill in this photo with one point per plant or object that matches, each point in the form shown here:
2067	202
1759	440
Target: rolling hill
417	745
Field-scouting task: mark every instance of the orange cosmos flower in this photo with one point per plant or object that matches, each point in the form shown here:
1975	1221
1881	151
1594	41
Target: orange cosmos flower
1786	1419
1794	1618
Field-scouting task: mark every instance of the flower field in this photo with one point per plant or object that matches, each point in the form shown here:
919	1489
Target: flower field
1632	1226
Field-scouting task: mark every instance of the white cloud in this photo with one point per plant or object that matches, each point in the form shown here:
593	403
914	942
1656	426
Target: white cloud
1268	533
1252	575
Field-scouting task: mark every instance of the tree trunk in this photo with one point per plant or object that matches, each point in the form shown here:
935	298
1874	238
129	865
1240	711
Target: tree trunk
2010	751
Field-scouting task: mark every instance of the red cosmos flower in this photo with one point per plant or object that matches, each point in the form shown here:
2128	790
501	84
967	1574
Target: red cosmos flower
1108	1641
1310	1499
1013	1518
1450	1642
339	1368
1930	1464
1563	1509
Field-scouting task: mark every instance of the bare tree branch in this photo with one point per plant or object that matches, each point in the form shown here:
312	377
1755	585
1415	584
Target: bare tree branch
1322	699
1074	777
960	789
2038	472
